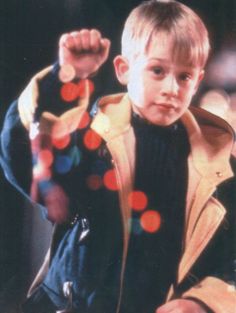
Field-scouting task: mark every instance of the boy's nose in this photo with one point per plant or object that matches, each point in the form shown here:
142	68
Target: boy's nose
170	86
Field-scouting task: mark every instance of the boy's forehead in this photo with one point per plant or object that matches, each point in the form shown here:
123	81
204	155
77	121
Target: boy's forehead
162	46
159	43
152	21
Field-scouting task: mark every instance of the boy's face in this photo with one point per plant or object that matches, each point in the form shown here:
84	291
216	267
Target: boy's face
160	87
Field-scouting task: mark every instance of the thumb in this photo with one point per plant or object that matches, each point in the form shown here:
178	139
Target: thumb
105	43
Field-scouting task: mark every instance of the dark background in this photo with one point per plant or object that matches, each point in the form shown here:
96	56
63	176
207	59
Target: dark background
29	32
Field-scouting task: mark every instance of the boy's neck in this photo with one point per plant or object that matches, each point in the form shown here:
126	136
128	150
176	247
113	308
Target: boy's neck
136	116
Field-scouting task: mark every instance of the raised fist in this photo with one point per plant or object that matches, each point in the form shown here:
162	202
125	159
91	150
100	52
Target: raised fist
84	50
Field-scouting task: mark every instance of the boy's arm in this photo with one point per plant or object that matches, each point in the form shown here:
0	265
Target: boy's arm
15	153
81	54
41	101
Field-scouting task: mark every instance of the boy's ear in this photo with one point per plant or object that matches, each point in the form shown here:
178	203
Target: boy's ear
121	65
200	78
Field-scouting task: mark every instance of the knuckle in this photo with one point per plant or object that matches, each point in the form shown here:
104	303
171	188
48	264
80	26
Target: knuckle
84	31
64	38
75	35
68	39
95	33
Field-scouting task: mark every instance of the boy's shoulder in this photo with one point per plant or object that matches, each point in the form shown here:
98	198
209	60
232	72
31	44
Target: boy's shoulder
211	139
210	123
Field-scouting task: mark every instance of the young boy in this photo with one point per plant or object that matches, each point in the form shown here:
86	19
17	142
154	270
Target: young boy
139	227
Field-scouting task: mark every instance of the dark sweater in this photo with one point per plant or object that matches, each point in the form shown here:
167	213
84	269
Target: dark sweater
161	173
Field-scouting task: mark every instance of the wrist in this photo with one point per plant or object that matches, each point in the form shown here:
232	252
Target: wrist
69	71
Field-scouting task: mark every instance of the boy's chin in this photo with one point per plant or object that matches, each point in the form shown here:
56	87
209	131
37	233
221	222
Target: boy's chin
160	120
157	116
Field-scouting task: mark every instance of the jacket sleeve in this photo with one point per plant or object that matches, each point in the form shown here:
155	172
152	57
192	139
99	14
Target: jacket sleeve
15	151
17	148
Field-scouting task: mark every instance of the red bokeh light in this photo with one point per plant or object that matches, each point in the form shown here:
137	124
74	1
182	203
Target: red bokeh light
69	92
94	182
137	200
57	204
92	140
42	141
150	221
61	143
45	158
110	181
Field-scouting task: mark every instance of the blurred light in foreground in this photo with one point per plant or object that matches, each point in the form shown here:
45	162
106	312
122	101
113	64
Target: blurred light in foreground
63	164
41	141
110	181
45	157
45	185
57	203
94	182
92	140
216	101
137	200
61	143
41	172
69	92
150	221
221	71
66	73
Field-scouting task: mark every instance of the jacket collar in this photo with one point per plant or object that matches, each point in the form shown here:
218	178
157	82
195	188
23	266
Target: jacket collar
211	138
211	141
113	116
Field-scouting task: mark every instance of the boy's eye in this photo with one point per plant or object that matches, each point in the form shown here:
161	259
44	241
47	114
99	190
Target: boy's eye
185	76
158	70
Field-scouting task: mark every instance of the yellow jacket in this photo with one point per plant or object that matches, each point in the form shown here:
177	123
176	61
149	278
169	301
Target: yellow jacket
211	140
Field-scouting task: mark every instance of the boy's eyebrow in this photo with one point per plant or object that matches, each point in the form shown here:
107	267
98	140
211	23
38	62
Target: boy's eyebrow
158	59
165	61
162	61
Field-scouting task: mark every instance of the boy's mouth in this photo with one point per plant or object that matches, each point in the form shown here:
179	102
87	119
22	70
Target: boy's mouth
166	106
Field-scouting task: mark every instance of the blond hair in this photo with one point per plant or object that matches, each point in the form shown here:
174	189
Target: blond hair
190	36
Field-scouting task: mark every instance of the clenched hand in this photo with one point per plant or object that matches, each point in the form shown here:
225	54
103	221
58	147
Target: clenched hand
84	50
